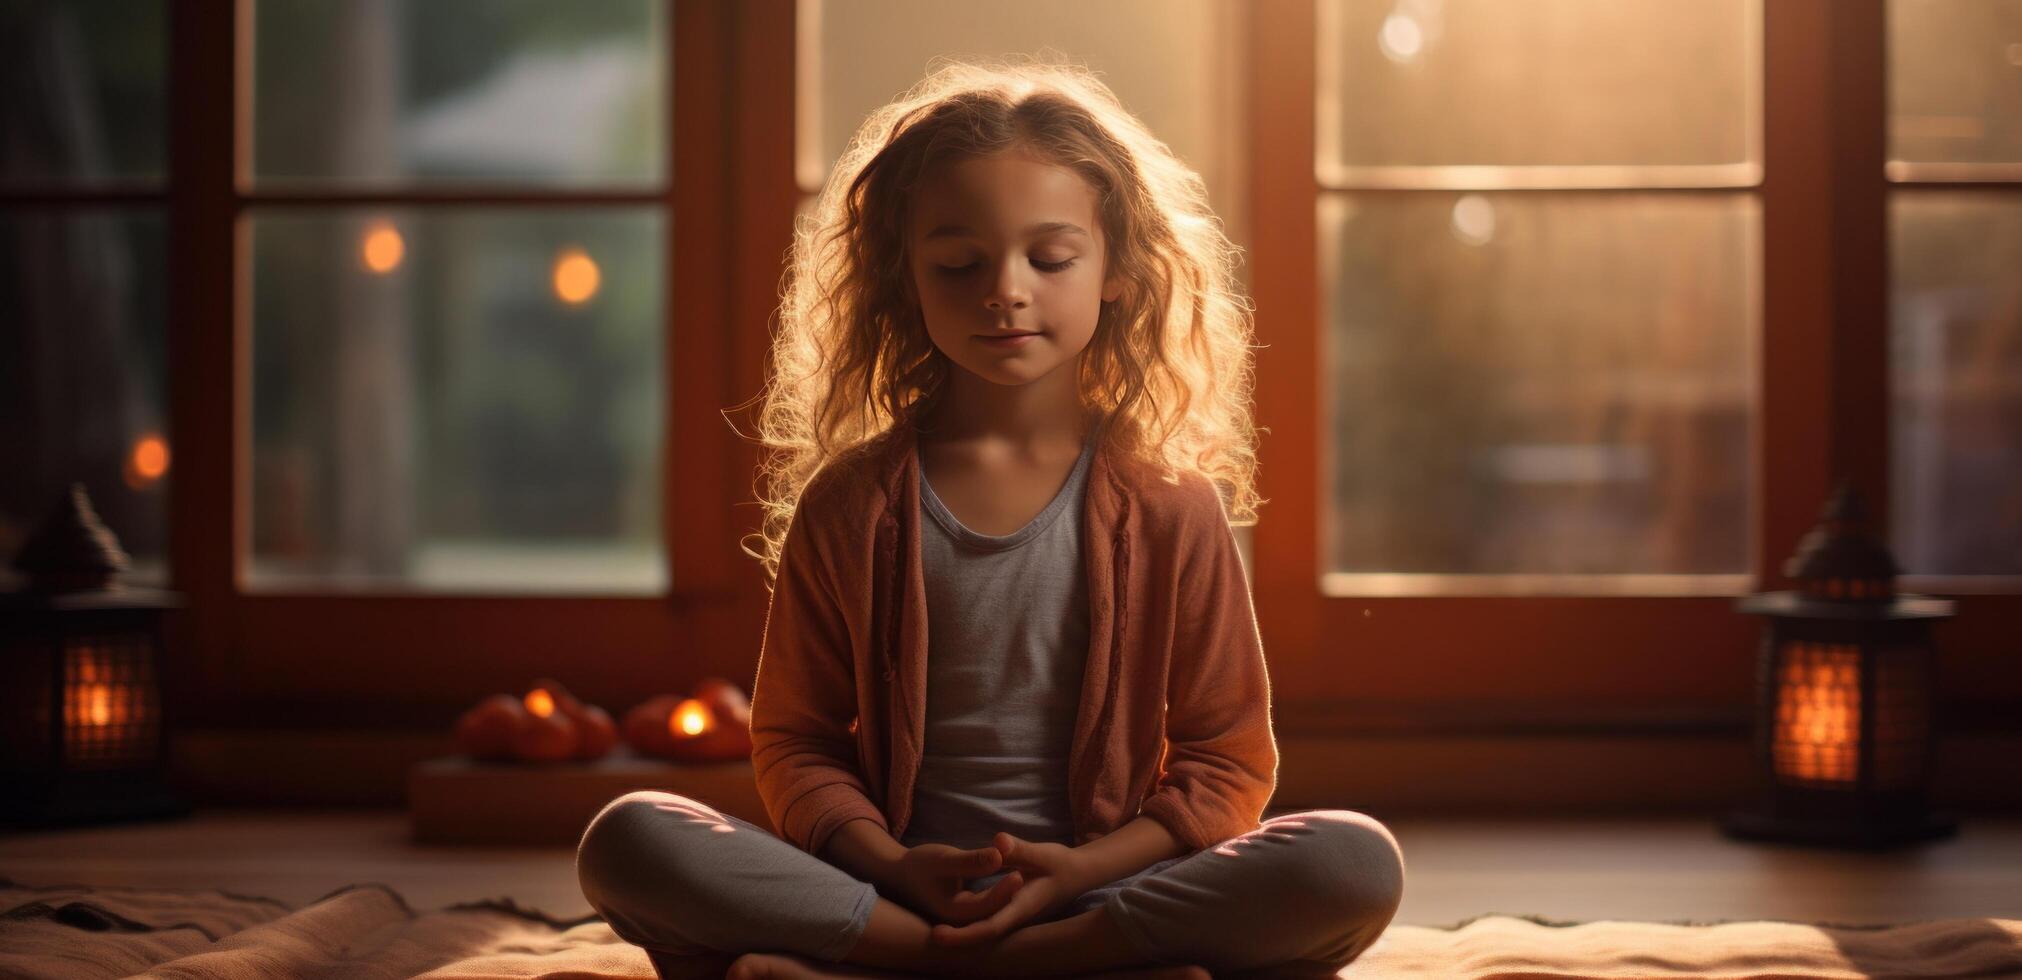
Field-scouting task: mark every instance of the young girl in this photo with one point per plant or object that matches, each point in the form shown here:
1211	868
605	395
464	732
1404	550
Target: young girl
1011	714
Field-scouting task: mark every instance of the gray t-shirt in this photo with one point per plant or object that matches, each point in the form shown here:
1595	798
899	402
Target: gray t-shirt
1007	638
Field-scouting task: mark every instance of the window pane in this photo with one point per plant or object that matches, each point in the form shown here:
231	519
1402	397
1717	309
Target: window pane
1174	63
1548	384
1956	377
81	86
1955	81
521	91
1544	82
83	376
458	398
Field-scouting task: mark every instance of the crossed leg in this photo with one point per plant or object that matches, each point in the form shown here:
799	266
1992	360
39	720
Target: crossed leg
1301	894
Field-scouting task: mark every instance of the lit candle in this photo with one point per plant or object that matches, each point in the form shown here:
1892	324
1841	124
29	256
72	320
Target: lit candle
540	703
1818	714
690	719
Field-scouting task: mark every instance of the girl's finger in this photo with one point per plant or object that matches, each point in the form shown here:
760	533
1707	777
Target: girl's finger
944	934
970	906
1013	912
1029	858
972	864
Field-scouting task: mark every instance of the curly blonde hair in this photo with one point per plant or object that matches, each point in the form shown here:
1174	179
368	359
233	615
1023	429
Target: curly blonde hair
1169	364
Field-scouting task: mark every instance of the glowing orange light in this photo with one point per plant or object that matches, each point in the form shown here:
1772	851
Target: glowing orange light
576	276
147	461
98	705
383	248
690	717
540	703
1819	714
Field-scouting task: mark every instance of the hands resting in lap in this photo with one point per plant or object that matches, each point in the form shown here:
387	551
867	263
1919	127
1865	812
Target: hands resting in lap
930	877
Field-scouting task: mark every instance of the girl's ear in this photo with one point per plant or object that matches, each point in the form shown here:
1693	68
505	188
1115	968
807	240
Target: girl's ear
1112	289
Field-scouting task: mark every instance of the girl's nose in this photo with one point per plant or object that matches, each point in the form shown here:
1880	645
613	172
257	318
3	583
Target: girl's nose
1006	291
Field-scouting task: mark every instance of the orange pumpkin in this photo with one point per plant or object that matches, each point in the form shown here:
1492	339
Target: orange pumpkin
727	700
730	738
488	730
546	738
646	725
596	734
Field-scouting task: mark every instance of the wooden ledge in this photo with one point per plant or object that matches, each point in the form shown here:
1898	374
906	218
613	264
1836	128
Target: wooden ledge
454	800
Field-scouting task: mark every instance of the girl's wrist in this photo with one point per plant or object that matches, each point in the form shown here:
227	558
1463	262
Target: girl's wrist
1133	847
866	850
1085	870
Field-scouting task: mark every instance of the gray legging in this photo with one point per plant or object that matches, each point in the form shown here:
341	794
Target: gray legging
1302	894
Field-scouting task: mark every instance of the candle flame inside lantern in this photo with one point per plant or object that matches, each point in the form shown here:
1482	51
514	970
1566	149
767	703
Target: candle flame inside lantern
1818	713
98	705
96	700
540	703
94	696
690	718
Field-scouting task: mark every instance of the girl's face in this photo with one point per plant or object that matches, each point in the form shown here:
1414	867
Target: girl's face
1008	262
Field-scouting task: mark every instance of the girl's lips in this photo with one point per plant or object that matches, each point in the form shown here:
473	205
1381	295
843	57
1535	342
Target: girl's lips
1005	340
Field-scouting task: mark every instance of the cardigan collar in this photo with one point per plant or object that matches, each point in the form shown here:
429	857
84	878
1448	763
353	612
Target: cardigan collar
901	606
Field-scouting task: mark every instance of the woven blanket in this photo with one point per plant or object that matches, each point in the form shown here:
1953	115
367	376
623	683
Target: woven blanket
368	931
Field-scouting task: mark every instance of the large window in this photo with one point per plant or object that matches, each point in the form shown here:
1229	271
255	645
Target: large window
1176	64
1540	252
1955	257
455	247
83	339
401	339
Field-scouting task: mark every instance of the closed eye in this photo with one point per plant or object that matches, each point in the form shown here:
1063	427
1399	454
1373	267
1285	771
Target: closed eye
956	270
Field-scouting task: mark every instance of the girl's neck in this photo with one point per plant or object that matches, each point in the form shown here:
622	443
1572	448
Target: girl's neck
1046	410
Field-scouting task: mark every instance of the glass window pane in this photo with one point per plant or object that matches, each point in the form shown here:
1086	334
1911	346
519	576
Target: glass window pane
1956	382
462	399
81	90
519	91
1955	81
1540	384
1174	63
83	376
1544	82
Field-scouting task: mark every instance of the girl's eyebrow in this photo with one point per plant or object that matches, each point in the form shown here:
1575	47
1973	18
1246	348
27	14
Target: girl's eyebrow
1043	228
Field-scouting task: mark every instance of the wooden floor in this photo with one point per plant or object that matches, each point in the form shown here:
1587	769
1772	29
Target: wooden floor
1666	870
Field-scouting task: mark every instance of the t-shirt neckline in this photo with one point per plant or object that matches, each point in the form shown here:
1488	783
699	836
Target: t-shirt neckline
966	535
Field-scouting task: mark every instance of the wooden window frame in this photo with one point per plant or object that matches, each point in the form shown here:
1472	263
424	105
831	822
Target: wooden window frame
1608	664
1650	664
301	658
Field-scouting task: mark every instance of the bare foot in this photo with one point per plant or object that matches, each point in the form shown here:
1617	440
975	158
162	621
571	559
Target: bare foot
783	966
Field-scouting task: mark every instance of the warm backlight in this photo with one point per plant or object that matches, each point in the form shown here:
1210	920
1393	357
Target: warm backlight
540	703
576	276
383	249
690	717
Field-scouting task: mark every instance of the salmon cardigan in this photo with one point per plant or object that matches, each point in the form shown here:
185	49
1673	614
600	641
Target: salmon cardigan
1174	719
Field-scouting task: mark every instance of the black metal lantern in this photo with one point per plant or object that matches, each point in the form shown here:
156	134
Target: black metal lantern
1845	733
80	692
